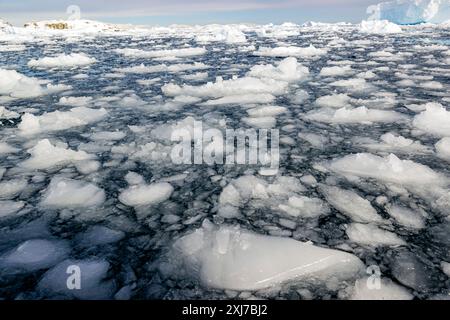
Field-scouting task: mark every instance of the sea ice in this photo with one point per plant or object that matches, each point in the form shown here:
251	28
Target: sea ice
45	155
371	235
351	204
59	120
434	120
357	115
232	258
34	254
388	169
142	194
302	52
69	193
379	26
62	61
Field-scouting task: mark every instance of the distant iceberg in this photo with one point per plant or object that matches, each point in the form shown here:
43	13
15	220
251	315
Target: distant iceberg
411	11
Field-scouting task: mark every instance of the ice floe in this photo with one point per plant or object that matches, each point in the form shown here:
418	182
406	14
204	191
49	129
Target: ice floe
236	259
62	61
70	193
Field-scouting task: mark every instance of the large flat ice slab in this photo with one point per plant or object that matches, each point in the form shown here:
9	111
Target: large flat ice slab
228	257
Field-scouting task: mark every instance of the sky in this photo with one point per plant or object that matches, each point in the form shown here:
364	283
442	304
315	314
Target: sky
166	12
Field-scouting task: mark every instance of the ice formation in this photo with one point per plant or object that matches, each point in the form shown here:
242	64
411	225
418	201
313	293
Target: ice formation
62	61
87	178
69	193
411	11
236	259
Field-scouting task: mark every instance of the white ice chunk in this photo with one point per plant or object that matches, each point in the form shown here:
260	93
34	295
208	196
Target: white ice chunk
287	70
17	85
45	155
379	27
406	217
361	115
236	259
35	254
58	120
140	195
434	120
69	193
371	235
351	204
334	101
184	52
231	87
291	51
388	169
62	61
443	148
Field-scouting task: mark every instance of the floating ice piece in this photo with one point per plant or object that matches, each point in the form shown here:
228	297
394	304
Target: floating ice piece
302	52
232	258
411	11
232	87
406	217
92	285
443	148
337	101
446	268
355	84
11	188
175	68
434	120
361	115
6	114
107	136
260	122
9	207
6	148
17	85
227	34
371	235
365	289
379	27
34	254
287	70
351	204
389	169
140	195
395	143
69	193
75	101
58	120
44	155
335	71
62	61
247	188
241	99
266	111
304	207
184	52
